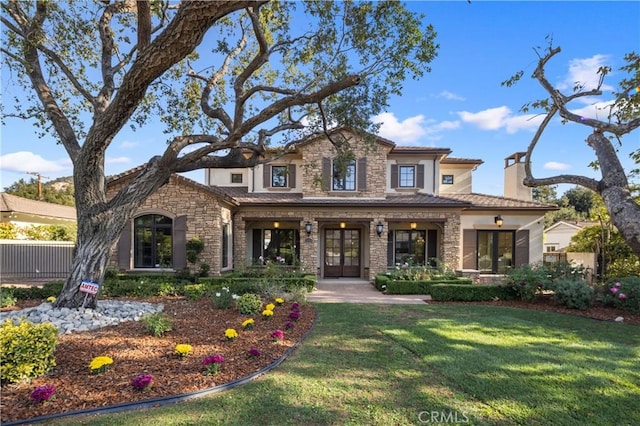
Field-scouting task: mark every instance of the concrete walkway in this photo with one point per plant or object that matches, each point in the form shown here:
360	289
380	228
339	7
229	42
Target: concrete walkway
358	291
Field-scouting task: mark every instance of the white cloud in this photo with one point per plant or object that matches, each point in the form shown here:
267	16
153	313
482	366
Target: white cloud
554	165
117	160
597	110
129	144
449	96
411	130
585	72
500	117
25	161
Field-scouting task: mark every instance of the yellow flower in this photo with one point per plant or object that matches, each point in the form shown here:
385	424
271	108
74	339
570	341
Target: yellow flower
183	349
270	307
100	363
248	323
267	313
51	299
230	333
279	300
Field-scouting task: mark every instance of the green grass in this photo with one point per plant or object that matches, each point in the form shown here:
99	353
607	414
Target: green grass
401	364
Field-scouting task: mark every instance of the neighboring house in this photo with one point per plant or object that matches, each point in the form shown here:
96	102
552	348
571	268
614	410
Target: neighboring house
558	236
23	212
393	205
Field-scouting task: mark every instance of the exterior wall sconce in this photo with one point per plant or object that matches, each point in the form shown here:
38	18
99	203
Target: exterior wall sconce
276	225
308	227
343	225
379	228
413	225
498	220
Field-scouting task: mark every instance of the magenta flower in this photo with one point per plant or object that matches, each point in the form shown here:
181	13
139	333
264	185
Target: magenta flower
277	335
42	393
294	315
213	359
614	290
142	381
622	296
295	306
289	325
253	352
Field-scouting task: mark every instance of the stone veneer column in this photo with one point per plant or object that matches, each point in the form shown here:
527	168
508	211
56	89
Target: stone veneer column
239	243
451	242
378	247
309	247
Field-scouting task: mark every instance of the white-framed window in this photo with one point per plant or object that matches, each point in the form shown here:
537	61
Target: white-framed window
447	179
406	176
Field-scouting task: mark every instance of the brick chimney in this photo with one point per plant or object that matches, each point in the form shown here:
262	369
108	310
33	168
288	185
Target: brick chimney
514	175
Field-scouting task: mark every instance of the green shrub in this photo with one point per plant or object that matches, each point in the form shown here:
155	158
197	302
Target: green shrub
381	281
528	281
249	304
422	287
157	324
194	291
7	298
26	350
223	299
623	293
573	294
470	292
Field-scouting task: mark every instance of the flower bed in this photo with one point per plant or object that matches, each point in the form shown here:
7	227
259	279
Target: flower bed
135	352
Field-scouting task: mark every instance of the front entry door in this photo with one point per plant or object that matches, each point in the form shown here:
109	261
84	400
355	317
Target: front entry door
342	253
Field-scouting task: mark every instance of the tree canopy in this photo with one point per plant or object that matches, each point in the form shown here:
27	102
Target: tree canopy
56	192
225	78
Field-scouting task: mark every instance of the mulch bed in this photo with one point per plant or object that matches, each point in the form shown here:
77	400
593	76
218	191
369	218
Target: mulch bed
134	351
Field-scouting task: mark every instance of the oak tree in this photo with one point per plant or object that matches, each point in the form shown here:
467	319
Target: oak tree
225	78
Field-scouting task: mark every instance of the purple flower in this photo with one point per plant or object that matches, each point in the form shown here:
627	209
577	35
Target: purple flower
294	315
277	335
42	393
254	352
289	325
142	381
622	296
213	359
614	290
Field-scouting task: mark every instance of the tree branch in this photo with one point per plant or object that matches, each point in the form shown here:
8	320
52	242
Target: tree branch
144	24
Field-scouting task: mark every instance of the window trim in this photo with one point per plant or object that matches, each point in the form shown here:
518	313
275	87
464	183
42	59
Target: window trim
413	175
236	175
285	169
447	179
353	177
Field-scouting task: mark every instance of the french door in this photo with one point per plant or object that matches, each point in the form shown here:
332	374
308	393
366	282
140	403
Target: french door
342	253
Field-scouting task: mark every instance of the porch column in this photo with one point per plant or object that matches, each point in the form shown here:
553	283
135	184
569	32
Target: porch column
451	242
239	243
309	246
377	248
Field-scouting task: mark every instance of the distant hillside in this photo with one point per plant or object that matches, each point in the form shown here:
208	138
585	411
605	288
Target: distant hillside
57	191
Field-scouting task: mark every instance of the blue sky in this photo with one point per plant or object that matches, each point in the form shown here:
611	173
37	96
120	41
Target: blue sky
459	105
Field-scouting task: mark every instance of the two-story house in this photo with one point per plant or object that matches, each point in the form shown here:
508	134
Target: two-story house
353	217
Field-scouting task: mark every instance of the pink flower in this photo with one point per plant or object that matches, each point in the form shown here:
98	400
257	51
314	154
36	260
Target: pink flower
277	335
618	284
622	296
614	290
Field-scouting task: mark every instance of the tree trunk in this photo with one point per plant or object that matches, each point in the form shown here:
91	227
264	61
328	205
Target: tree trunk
614	190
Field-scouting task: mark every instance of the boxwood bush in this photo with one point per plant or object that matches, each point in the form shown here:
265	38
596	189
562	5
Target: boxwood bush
470	292
385	282
573	294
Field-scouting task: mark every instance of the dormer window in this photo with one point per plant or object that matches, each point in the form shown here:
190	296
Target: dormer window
279	176
406	176
447	179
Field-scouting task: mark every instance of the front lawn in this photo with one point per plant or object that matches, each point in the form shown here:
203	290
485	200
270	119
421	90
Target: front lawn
420	364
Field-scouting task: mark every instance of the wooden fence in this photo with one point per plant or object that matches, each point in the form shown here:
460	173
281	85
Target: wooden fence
35	259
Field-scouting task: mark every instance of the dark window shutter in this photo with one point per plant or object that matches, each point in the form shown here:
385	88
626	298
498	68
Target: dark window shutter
522	248
124	248
266	175
394	176
432	246
362	174
469	249
420	177
256	246
292	176
326	173
180	242
390	249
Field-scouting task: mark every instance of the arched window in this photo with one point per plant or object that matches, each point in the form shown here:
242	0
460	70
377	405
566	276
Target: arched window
152	241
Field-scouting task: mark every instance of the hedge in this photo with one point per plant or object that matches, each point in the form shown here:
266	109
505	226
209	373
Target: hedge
384	282
470	293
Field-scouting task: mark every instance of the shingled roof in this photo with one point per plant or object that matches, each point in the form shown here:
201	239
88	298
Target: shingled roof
13	204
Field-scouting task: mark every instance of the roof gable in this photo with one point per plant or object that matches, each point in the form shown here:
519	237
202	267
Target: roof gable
13	204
